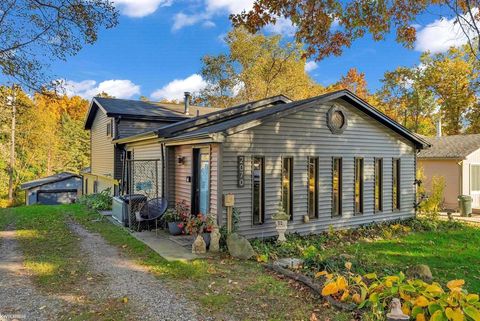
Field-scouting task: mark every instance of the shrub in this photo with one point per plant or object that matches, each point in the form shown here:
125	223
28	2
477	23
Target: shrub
432	204
100	201
420	300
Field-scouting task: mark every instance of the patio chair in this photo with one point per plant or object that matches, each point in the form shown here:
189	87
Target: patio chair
152	210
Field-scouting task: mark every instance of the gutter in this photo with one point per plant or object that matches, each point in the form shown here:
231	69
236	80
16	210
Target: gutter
195	139
136	138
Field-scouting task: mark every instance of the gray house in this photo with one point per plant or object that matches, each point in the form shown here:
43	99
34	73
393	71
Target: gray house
110	119
61	188
331	160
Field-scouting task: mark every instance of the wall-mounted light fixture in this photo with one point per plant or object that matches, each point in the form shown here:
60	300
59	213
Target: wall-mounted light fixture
181	160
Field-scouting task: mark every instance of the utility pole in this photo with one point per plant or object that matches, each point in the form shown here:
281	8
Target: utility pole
12	102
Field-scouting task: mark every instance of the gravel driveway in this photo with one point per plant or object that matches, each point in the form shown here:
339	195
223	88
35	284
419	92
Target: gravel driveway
149	298
18	296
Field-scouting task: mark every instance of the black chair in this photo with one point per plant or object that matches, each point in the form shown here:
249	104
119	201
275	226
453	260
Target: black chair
152	210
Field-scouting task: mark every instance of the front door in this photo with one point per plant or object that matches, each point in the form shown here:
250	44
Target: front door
201	181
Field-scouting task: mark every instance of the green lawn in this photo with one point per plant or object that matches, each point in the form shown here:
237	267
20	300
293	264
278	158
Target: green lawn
450	249
451	254
220	286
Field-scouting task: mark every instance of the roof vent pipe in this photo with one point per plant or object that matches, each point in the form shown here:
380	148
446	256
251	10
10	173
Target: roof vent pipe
439	127
187	103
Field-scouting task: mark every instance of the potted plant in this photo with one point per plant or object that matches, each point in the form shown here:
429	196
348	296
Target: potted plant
174	221
281	219
195	226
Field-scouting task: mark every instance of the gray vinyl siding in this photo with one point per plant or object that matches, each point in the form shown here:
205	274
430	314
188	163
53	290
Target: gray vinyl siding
102	151
305	134
126	127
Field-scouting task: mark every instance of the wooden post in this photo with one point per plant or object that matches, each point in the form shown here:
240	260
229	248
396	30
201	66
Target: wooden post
229	202
229	219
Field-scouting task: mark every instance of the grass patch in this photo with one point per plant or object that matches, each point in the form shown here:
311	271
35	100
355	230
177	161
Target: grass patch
51	251
450	249
451	254
223	287
53	256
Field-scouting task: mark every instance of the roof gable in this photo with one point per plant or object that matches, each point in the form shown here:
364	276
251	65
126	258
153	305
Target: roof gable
248	120
451	147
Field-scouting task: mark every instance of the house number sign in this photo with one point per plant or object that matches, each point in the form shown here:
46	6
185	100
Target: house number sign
241	171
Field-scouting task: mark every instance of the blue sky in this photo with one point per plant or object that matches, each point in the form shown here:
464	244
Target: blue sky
155	50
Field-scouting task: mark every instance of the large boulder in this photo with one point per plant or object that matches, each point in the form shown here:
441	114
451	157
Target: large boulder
420	271
239	247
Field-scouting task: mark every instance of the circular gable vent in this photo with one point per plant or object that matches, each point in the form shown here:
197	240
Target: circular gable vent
337	119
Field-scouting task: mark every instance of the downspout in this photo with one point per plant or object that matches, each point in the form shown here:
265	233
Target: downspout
163	169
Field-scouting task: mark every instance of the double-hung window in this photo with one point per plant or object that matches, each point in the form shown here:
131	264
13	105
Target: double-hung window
287	188
359	185
337	187
258	187
378	184
396	191
313	187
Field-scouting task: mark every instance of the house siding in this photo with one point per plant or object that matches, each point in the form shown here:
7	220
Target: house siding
126	127
305	134
102	151
451	170
472	159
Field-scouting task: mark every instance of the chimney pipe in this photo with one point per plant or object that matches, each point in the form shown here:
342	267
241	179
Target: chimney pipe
439	127
187	103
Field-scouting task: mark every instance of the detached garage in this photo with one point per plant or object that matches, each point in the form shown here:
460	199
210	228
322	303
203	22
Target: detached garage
61	188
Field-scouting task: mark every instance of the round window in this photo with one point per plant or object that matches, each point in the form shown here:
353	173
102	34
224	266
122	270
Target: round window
337	120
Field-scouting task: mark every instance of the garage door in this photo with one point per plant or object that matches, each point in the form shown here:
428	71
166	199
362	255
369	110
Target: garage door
56	197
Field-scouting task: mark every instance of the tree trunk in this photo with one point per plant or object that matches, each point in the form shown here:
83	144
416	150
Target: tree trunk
11	170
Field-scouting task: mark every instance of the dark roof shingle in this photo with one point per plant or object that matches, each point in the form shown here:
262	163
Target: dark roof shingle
143	109
455	147
48	180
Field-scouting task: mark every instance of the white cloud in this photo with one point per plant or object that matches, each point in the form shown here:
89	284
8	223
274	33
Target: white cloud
310	66
212	8
209	24
140	8
115	87
440	35
282	26
230	6
175	89
181	20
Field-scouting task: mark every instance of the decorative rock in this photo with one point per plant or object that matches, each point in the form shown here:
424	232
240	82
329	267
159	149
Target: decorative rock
199	246
289	263
215	240
421	271
239	247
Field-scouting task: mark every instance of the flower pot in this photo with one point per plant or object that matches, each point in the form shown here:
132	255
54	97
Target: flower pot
206	238
174	229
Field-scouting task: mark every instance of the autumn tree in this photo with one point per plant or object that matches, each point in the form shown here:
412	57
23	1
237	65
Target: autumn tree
33	32
329	26
49	137
256	67
354	81
406	98
453	78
